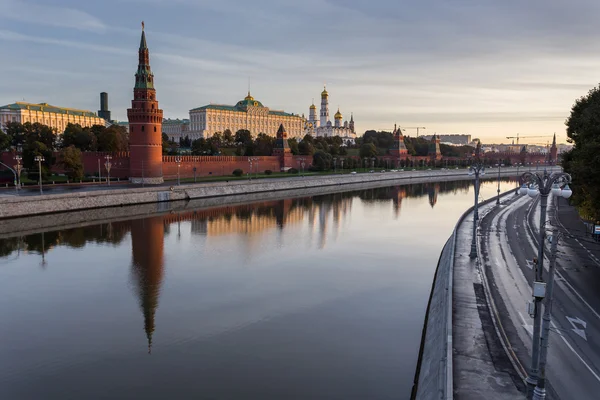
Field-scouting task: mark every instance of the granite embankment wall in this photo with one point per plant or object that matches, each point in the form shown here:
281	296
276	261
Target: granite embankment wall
11	207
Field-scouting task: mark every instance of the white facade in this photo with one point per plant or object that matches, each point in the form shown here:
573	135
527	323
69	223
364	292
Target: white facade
323	127
55	117
247	114
176	128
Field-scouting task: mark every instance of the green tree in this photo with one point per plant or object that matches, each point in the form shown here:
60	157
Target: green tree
16	134
113	139
70	160
82	138
583	162
368	150
4	141
308	139
227	137
243	137
165	143
30	151
305	148
322	161
263	145
40	133
293	143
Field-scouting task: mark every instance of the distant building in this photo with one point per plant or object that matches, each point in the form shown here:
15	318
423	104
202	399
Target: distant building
248	113
323	127
124	124
45	114
176	129
457	139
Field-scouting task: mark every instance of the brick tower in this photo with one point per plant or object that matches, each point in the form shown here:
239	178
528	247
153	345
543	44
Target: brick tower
145	124
398	147
553	152
282	149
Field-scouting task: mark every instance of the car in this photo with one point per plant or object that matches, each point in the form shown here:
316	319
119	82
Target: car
402	170
428	169
371	171
383	170
353	172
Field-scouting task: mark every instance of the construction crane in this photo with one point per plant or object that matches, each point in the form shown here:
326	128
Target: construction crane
414	127
517	137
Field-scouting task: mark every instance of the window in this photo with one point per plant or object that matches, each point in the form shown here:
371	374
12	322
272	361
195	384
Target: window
142	128
154	129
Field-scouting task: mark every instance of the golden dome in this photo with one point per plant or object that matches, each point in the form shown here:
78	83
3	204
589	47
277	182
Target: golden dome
313	107
249	97
338	114
324	92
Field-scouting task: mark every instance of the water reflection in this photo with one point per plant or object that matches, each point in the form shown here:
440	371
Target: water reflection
247	219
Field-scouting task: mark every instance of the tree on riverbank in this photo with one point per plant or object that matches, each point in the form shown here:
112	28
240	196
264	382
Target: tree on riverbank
583	161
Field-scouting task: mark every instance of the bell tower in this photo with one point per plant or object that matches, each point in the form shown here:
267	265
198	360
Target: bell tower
145	124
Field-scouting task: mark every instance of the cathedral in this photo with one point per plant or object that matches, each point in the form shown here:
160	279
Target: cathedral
323	127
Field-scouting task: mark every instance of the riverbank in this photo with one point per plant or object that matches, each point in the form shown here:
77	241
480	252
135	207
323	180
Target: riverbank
13	207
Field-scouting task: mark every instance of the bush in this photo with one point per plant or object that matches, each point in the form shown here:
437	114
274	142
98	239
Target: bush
238	172
268	172
292	171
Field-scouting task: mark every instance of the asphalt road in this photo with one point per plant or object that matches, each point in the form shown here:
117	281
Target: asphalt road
509	238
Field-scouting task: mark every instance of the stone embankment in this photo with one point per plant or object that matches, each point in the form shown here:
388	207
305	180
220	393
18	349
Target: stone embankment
11	207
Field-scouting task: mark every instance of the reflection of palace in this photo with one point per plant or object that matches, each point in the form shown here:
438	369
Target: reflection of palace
147	241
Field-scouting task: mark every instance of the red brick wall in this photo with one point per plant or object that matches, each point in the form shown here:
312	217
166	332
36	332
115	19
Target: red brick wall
215	165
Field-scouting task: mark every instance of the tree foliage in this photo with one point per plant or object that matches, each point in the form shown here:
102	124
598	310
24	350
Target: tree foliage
322	161
4	141
70	160
368	150
583	161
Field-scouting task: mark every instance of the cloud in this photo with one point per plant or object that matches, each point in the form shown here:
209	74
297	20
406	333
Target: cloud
57	16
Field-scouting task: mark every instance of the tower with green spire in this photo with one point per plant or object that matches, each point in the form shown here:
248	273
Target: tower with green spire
145	123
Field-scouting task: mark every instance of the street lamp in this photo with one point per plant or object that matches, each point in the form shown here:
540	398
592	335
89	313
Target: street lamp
476	169
18	170
301	162
342	163
107	165
542	184
178	161
498	198
39	160
334	165
373	162
250	171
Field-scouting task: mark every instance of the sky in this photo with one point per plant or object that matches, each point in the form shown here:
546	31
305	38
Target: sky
488	68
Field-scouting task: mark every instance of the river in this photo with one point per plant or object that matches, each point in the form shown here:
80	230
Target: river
307	298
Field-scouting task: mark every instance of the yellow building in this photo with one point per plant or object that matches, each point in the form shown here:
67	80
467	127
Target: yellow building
52	116
247	114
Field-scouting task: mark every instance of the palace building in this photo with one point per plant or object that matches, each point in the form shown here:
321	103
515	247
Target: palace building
248	113
323	126
46	114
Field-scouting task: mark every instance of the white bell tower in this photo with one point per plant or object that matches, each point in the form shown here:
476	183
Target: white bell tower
324	107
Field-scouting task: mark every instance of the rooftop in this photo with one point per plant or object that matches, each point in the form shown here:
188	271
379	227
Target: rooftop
45	107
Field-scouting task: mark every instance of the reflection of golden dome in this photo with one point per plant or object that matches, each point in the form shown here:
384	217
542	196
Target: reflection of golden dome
338	114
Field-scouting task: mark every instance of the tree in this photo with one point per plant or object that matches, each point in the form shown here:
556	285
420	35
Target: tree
165	143
227	137
40	133
243	137
263	145
322	161
70	160
305	148
82	138
217	139
308	139
185	141
113	139
16	134
293	143
368	150
30	151
583	162
4	141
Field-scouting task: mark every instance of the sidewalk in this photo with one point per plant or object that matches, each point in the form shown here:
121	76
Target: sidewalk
482	369
570	220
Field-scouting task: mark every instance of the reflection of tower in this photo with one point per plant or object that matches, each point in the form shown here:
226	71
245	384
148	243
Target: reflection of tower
282	209
432	192
324	209
147	239
399	193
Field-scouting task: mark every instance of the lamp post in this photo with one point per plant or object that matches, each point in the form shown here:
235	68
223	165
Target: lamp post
39	160
335	165
498	197
107	165
250	171
546	184
476	169
373	162
178	161
18	170
342	163
301	164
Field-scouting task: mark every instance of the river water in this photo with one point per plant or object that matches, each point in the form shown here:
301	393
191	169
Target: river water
308	298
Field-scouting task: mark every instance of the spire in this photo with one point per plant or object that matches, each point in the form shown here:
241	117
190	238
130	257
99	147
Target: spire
554	140
143	44
351	117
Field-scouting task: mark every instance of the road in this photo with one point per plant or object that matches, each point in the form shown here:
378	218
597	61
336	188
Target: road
509	239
